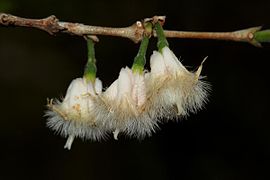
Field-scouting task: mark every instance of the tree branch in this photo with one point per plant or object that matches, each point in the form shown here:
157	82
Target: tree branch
245	35
134	32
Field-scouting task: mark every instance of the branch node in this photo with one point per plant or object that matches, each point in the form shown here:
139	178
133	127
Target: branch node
50	25
138	32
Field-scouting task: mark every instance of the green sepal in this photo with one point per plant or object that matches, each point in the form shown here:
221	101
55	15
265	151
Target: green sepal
139	60
90	67
162	41
90	72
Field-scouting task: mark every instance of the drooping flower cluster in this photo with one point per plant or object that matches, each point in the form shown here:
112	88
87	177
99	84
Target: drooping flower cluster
133	104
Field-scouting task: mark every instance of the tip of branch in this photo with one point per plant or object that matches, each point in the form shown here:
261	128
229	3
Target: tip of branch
251	36
248	35
3	19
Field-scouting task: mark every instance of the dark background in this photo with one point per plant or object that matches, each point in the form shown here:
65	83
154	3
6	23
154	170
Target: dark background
229	139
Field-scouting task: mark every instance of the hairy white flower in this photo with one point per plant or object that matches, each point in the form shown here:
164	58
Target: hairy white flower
125	102
75	116
133	104
174	90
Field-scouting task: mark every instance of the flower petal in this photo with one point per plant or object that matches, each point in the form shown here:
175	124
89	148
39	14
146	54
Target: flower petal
98	86
157	64
171	61
124	83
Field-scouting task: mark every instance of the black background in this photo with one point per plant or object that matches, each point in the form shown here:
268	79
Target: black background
229	139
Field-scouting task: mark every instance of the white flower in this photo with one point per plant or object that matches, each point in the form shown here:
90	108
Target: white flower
174	90
126	104
133	104
75	116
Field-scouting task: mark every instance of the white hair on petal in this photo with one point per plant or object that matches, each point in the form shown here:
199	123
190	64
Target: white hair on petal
124	102
71	127
175	90
75	115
